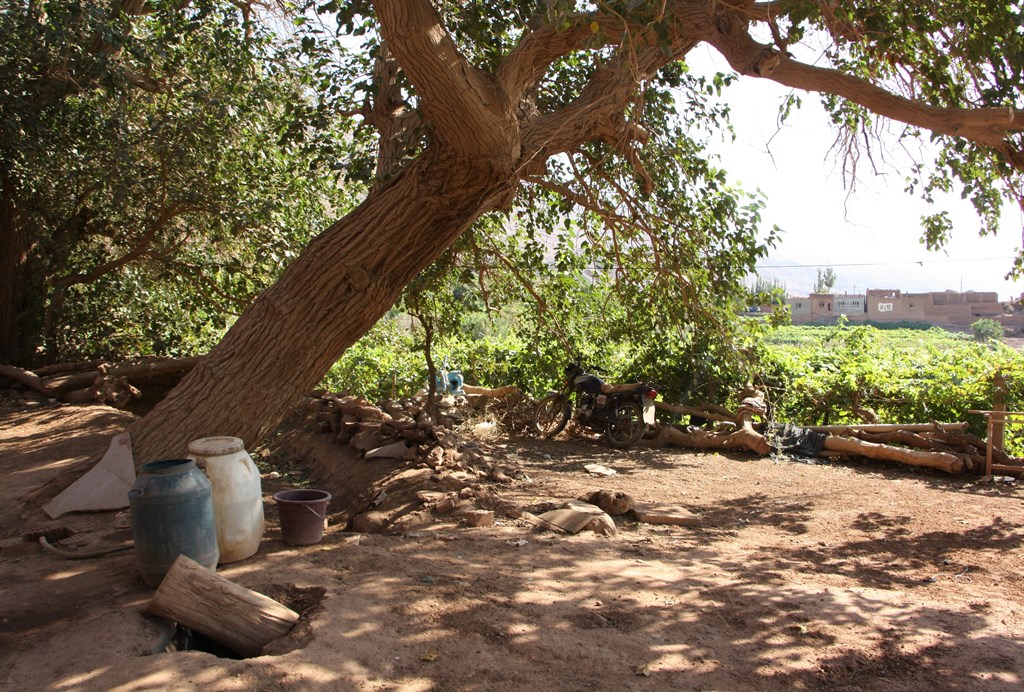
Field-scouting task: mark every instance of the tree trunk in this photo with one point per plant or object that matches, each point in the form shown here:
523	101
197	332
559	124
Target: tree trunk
14	247
343	282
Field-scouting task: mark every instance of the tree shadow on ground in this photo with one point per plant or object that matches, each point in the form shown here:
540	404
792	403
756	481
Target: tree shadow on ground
511	608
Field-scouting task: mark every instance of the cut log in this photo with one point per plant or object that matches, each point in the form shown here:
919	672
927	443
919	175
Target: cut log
27	378
745	438
904	438
1003	469
242	620
888	427
499	392
136	372
942	461
693	411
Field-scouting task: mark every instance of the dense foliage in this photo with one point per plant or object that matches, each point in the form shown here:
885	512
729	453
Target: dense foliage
161	181
811	375
903	376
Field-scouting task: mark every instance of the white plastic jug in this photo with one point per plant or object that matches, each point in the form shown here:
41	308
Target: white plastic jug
237	494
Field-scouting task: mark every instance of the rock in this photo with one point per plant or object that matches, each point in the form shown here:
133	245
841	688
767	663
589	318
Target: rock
479	517
603	524
395	450
365	440
393	407
613	502
370	522
430	497
456	480
665	514
499	476
574	520
599	470
448	504
435	457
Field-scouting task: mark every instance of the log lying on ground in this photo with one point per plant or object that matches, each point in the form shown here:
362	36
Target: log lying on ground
99	382
717	415
744	438
849	429
498	392
242	620
748	439
934	438
950	463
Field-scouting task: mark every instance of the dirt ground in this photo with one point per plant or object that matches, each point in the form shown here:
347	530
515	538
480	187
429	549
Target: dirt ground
857	576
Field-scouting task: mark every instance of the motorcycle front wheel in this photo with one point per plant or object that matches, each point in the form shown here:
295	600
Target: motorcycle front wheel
552	414
627	426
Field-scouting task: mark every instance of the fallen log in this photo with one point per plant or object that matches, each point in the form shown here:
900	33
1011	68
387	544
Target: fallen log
61	385
80	366
496	393
746	438
904	437
27	378
846	429
694	411
242	620
942	461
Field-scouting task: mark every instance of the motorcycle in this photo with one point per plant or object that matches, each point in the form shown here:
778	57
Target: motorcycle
623	412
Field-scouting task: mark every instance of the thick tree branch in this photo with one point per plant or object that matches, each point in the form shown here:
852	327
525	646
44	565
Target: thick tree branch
598	112
526	64
396	123
985	126
459	101
530	59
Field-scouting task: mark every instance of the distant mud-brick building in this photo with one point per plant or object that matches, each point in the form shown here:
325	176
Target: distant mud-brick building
949	308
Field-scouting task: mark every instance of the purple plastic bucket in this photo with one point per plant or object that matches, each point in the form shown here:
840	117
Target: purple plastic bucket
303	515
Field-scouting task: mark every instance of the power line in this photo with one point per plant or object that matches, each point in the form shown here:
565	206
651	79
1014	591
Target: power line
883	264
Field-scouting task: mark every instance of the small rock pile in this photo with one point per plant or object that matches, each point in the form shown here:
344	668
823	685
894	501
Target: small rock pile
396	428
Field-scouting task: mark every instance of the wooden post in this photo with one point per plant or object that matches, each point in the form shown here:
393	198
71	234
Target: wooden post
242	620
988	445
997	433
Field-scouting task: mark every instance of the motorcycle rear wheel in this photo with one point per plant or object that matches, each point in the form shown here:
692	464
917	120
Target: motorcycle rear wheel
627	426
552	414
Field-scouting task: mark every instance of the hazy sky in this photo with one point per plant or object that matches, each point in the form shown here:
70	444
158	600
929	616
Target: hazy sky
871	237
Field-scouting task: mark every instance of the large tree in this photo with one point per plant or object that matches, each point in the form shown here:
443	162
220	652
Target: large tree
475	101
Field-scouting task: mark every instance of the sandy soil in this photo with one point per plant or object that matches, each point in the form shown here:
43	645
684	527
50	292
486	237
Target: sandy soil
808	576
